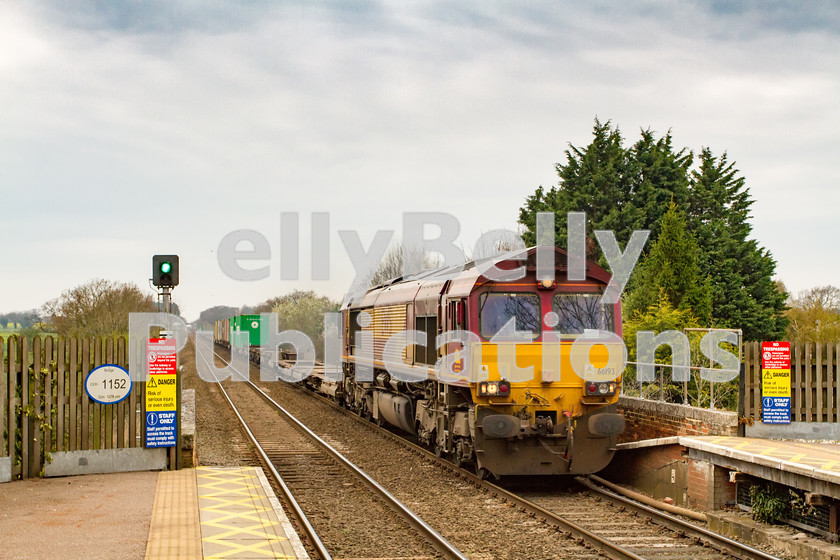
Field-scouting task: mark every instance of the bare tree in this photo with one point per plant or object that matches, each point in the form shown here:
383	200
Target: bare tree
207	319
100	307
304	311
497	242
821	297
19	319
268	305
391	265
815	315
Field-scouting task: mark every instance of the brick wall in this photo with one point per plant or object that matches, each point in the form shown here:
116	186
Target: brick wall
633	464
700	489
666	471
647	419
708	486
724	490
663	471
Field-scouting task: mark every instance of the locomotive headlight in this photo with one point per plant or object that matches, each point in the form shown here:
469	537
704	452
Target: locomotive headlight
601	389
494	388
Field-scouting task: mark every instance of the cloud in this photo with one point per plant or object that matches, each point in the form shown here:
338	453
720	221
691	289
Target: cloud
170	124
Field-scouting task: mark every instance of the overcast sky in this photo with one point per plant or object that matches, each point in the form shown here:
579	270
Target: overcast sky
129	129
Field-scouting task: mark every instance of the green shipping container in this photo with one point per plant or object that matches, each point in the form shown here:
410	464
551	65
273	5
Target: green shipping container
247	323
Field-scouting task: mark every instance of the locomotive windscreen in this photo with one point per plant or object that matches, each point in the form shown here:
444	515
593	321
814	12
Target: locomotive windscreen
578	312
496	309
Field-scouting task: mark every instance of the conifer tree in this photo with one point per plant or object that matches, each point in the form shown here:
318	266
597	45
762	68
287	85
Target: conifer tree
628	189
596	180
740	271
671	268
661	177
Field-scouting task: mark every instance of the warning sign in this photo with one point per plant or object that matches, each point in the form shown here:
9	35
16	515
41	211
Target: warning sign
775	382
775	355
161	393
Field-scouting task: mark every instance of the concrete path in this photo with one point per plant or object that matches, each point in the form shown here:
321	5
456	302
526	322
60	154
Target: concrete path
101	516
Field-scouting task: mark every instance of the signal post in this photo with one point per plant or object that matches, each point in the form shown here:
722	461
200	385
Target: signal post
165	276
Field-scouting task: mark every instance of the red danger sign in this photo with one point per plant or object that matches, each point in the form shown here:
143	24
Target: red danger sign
775	355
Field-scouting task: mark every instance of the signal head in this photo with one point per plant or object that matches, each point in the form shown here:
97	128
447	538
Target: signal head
165	270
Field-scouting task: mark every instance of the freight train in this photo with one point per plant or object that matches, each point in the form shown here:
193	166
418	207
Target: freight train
505	406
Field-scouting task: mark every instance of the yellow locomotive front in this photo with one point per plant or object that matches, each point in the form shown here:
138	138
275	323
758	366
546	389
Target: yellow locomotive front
545	405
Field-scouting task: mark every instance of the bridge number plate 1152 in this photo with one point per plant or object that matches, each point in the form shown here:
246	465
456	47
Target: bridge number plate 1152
108	384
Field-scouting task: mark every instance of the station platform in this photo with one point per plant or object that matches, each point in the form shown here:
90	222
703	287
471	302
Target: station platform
219	513
810	466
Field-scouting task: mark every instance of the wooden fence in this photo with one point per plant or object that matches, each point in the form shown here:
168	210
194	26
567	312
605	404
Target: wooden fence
814	382
46	409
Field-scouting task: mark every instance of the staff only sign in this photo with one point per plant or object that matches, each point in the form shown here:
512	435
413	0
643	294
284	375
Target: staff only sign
161	393
775	382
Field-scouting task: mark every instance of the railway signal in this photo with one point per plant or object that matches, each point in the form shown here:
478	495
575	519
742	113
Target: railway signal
165	270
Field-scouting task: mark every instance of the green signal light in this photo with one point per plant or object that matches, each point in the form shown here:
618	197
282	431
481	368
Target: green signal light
165	267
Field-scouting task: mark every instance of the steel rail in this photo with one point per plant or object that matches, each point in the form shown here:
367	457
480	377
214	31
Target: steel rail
569	528
437	541
308	530
719	542
674	523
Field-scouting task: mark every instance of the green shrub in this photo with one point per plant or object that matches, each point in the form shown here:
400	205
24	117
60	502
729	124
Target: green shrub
769	503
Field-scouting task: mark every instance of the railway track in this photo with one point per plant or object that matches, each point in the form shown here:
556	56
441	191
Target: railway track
329	496
644	530
595	517
594	528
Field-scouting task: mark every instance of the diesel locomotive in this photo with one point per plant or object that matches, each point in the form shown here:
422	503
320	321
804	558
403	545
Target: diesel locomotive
529	387
513	406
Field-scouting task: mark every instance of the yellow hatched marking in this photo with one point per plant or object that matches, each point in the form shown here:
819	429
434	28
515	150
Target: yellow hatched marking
257	530
766	451
235	487
220	497
235	548
252	515
814	462
793	455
